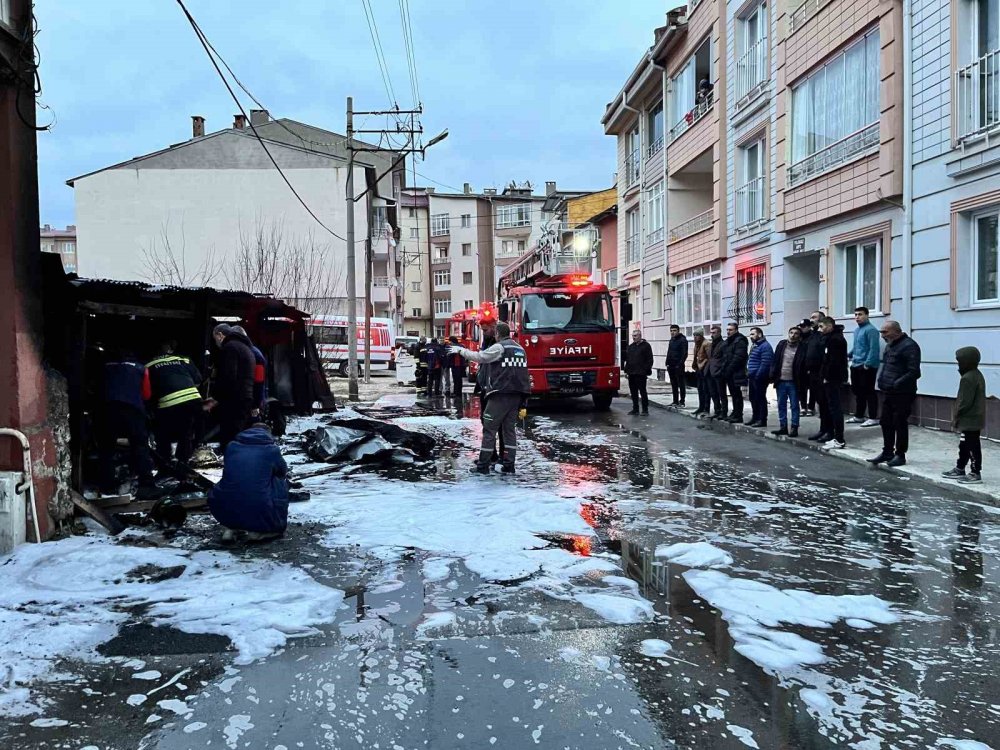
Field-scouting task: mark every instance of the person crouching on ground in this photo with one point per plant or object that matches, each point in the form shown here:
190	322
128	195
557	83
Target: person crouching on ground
253	493
970	417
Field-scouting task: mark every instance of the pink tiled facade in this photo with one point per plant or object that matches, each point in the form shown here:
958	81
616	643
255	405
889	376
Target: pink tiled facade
695	250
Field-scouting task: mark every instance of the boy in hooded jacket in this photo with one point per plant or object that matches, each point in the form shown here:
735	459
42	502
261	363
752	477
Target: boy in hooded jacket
970	416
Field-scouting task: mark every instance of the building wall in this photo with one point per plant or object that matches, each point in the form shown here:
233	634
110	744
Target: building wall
416	261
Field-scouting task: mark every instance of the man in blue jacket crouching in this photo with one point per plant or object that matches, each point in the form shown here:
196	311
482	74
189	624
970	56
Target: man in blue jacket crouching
253	493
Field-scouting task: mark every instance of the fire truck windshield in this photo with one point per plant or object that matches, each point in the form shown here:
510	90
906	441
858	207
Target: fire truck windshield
567	311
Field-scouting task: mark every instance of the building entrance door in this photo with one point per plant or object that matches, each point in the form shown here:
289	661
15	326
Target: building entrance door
802	286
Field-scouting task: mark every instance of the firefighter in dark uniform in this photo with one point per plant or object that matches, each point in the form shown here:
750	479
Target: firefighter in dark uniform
126	387
421	355
174	382
506	388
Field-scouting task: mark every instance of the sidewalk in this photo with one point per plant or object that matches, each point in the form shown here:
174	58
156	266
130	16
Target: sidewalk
931	451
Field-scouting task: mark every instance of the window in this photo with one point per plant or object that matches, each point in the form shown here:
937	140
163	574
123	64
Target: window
466	249
698	299
632	157
507	248
514	215
750	305
466	220
441	252
654	213
835	111
977	80
442	306
414	286
656	298
521	247
466	277
632	249
414	233
440	224
440	331
752	65
985	286
416	312
411	212
442	278
69	248
469	304
654	129
862	276
751	192
564	312
611	278
692	91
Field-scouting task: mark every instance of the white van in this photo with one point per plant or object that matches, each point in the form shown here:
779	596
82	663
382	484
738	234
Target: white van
329	333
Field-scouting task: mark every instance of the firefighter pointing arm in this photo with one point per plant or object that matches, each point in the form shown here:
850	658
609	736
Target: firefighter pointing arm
503	371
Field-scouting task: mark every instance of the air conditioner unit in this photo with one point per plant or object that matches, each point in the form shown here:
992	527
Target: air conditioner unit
13	512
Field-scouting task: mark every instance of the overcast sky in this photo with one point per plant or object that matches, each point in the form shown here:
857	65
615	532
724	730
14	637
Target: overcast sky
521	85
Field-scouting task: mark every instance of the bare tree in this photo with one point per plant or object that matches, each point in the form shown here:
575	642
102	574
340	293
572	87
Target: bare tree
167	262
255	266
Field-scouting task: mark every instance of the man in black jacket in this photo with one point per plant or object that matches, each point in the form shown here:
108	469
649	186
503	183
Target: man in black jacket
717	374
834	374
735	352
897	379
815	345
677	354
638	367
233	387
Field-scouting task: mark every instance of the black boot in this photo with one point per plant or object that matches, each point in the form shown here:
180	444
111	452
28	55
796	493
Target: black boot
782	431
794	432
479	469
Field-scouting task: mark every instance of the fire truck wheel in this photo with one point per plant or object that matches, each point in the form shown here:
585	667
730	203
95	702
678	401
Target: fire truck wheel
602	401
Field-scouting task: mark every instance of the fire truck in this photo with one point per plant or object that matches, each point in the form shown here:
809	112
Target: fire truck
464	325
562	318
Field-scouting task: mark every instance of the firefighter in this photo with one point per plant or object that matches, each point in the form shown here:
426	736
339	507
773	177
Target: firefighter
126	387
174	382
421	356
506	387
456	366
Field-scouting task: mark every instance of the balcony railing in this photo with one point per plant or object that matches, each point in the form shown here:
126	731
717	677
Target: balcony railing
695	224
440	225
381	231
633	253
690	118
977	96
751	71
750	203
632	169
655	236
380	281
835	154
655	147
803	13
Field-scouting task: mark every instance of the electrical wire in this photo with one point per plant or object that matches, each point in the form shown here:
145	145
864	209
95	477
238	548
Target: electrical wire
408	46
204	43
379	52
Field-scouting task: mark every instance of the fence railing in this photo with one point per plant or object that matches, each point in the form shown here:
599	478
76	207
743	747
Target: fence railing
693	225
751	70
750	202
977	96
380	281
632	169
655	236
655	147
837	153
803	13
633	253
699	110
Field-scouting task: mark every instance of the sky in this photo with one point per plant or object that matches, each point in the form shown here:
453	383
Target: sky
520	85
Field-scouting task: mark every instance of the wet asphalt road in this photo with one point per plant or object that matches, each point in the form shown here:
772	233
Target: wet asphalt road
520	669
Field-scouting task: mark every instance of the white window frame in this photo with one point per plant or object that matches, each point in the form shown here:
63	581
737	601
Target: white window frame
469	304
466	221
467	277
701	281
440	253
611	278
513	215
506	249
654	139
442	306
466	249
440	225
441	331
654	214
414	233
414	286
633	246
656	306
416	312
751	195
857	297
752	70
442	277
974	276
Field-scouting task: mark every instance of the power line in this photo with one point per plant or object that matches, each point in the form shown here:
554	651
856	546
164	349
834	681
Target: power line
204	43
379	52
404	19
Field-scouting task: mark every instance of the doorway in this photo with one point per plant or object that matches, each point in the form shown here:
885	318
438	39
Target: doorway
802	286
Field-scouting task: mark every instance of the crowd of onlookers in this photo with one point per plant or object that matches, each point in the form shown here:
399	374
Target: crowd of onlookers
808	370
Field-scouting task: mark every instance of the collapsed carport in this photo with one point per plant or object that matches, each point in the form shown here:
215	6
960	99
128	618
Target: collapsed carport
86	319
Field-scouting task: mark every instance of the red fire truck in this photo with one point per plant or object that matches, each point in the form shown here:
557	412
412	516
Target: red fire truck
464	325
562	318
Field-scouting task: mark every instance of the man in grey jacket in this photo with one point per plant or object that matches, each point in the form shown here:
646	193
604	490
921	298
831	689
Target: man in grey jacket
503	370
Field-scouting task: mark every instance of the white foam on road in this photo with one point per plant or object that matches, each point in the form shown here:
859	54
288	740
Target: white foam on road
62	599
694	555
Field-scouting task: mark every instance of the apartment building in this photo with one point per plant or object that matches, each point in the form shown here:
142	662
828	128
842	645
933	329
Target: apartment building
62	242
414	254
473	237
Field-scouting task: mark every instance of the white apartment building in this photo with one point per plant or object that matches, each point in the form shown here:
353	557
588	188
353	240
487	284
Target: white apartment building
414	254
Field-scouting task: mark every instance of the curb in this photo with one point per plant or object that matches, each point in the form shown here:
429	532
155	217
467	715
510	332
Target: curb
964	491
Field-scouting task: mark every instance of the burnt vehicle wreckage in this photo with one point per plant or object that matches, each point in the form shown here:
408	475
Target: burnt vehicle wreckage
85	319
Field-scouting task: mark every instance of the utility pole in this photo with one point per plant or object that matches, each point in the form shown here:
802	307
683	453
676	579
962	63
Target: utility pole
352	280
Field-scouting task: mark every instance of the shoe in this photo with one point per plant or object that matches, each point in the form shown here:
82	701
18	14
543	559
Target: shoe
871	423
781	431
855	420
953	473
820	437
974	477
633	412
645	412
794	432
228	536
257	536
751	423
698	412
897	460
477	469
735	419
507	469
831	444
682	405
881	458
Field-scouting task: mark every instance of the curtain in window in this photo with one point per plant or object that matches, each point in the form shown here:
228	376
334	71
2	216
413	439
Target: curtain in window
872	79
869	280
684	92
856	107
836	97
850	278
697	312
986	259
802	119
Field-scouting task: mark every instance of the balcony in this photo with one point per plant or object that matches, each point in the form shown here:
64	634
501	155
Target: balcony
977	97
440	225
633	252
837	153
653	237
632	169
700	109
513	217
750	203
655	147
803	13
695	224
380	281
751	72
